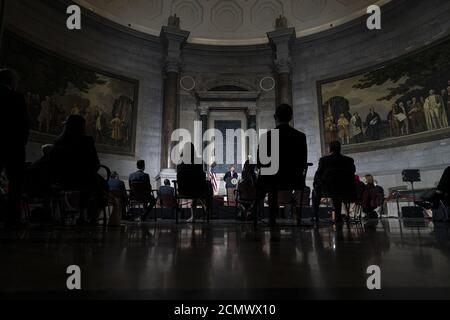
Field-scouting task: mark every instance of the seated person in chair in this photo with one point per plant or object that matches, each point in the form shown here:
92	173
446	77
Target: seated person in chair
166	189
37	176
117	188
141	188
334	179
74	165
292	157
373	197
443	188
191	178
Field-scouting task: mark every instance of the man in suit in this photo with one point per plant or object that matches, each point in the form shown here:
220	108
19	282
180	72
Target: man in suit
14	131
117	186
166	189
292	159
141	176
334	179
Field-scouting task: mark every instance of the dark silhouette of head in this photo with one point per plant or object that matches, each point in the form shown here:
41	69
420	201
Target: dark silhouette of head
74	128
9	78
114	175
140	165
167	183
335	147
283	114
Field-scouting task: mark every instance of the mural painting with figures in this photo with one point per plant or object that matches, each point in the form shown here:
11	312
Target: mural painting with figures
55	87
402	102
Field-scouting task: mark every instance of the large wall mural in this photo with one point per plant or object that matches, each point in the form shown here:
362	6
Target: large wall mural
55	88
404	101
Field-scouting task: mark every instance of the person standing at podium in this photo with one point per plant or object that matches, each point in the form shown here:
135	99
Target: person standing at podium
231	178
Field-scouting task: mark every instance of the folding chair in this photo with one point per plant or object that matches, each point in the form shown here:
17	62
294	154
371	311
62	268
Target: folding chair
141	196
167	201
61	195
297	197
204	200
246	205
342	188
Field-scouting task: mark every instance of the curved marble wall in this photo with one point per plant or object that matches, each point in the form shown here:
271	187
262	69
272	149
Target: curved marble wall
407	25
100	45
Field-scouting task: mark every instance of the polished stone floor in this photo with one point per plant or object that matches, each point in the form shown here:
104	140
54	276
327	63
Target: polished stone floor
227	260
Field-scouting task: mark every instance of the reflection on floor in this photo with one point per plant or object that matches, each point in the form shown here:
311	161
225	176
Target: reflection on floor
227	260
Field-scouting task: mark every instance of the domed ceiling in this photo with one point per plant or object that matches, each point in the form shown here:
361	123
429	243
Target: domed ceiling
230	22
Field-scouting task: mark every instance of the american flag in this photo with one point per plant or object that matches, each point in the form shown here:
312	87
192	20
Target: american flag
213	179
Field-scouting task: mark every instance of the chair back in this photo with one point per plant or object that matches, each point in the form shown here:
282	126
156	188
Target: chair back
190	181
339	184
140	191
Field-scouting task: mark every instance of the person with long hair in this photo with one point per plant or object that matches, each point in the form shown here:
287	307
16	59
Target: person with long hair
74	166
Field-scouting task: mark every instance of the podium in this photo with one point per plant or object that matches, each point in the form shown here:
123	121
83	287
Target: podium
230	186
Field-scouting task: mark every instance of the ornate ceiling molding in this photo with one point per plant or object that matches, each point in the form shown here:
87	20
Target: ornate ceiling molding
231	22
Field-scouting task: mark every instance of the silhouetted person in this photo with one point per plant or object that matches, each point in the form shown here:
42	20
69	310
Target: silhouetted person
334	179
191	178
142	177
360	188
443	188
118	189
293	153
247	188
38	175
230	175
373	197
74	165
166	189
14	131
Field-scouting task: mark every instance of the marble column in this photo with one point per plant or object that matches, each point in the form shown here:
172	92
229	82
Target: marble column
173	40
281	41
204	111
251	124
251	118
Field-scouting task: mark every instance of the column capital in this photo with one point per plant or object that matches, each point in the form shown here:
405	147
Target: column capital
251	111
203	110
173	40
284	35
281	41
